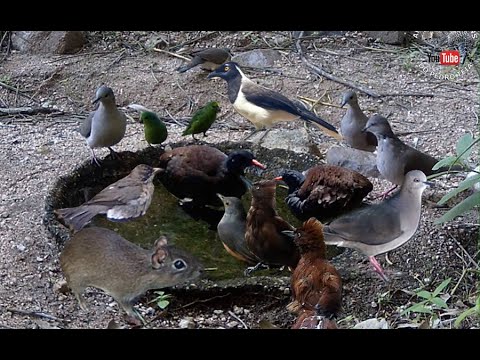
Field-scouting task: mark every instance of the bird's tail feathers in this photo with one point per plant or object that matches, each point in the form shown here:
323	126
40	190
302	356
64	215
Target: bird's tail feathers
76	218
323	125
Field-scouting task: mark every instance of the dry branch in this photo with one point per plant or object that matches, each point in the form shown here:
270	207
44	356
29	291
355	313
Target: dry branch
27	111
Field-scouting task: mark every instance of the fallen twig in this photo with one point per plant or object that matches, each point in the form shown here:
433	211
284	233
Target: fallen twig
202	301
232	314
319	71
117	60
36	314
463	250
171	54
188	42
27	111
16	91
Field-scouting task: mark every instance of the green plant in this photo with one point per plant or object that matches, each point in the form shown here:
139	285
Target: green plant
431	300
162	299
463	150
475	310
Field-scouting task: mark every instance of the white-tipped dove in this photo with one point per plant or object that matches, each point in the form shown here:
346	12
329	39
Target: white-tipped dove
394	157
105	126
379	228
353	123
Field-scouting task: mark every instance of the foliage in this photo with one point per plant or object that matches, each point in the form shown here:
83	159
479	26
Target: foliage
162	299
475	310
431	300
464	148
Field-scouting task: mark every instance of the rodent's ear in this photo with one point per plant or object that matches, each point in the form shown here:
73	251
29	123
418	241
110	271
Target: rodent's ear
160	242
157	258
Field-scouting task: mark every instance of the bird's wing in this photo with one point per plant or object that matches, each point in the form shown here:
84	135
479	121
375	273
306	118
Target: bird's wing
86	126
119	193
281	224
270	100
371	225
416	160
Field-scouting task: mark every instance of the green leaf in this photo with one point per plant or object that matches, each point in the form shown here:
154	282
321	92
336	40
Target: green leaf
425	294
464	206
439	302
465	146
463	316
440	287
162	304
464	185
420	308
449	160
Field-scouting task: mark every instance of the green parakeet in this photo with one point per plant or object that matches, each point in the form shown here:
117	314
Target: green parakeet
155	130
202	119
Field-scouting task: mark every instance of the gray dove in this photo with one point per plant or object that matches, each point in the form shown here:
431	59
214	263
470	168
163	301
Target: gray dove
126	199
379	228
105	126
394	157
352	124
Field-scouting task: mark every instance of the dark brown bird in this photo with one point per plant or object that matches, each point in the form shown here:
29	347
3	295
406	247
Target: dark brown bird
208	59
126	199
199	172
264	232
231	230
315	282
326	192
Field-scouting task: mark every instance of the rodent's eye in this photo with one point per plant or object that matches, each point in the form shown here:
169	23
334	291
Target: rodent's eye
179	264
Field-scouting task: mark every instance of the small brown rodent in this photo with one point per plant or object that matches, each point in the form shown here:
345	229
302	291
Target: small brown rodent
103	259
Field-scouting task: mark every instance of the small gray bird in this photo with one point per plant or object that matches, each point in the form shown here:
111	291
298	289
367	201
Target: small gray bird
394	157
126	199
231	230
209	59
352	124
105	126
379	228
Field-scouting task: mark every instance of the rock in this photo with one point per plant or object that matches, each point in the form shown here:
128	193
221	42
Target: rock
388	37
363	162
476	186
259	58
48	42
237	310
372	324
297	140
232	324
61	286
186	323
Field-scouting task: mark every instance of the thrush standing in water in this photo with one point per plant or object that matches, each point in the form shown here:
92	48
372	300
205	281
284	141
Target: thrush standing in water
202	119
155	129
208	59
105	126
261	106
126	199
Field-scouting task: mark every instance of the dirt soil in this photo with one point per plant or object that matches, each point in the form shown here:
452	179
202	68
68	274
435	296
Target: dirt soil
37	149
